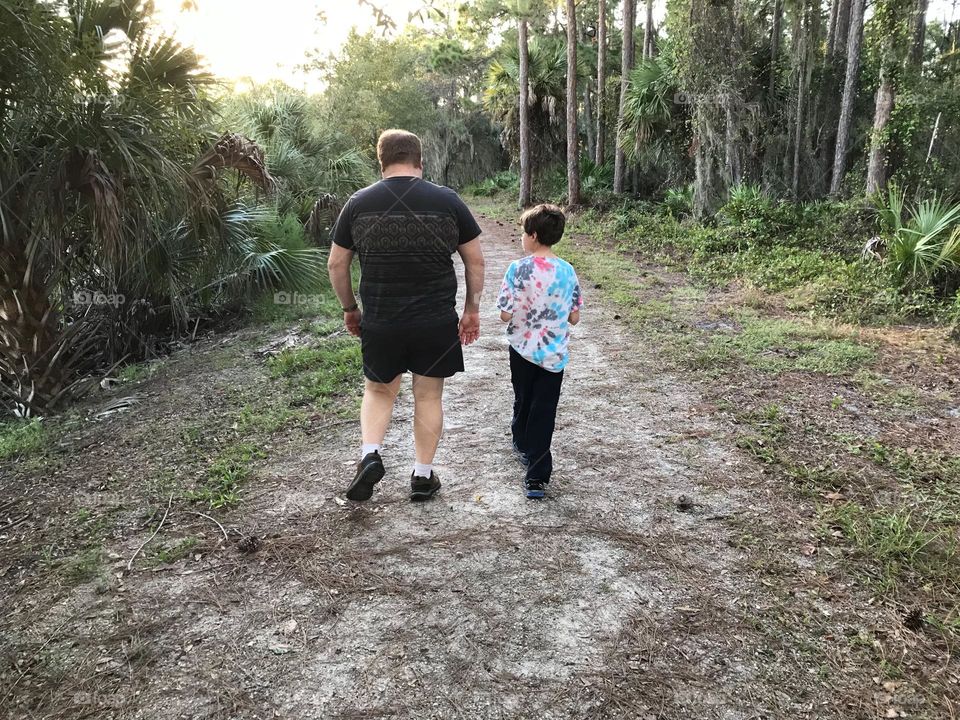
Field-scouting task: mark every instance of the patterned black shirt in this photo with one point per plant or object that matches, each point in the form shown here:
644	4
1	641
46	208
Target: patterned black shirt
405	231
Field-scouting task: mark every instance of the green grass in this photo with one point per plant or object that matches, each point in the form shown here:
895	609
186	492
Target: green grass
166	554
323	373
22	438
84	566
265	418
779	345
903	544
221	486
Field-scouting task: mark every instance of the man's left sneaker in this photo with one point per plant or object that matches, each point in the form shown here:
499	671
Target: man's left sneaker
536	489
422	488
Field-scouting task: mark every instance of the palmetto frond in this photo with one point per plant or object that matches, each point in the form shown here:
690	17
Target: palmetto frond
237	152
649	105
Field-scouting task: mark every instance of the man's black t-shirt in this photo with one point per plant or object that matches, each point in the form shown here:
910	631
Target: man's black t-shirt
405	230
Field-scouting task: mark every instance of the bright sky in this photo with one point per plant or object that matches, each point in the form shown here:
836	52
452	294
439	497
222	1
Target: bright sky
267	39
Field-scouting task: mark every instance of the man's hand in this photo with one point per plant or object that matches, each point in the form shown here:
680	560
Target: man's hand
351	320
469	326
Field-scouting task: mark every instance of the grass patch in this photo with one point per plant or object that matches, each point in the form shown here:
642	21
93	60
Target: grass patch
903	545
323	373
778	345
20	438
264	418
166	554
221	487
84	566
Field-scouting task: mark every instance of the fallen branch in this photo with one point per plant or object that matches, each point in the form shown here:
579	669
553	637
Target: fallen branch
147	541
226	539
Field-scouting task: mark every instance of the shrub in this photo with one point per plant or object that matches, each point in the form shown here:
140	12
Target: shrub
678	202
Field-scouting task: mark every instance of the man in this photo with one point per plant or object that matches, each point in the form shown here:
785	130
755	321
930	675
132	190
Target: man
405	231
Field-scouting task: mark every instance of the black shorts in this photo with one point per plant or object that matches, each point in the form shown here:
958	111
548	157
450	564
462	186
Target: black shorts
432	351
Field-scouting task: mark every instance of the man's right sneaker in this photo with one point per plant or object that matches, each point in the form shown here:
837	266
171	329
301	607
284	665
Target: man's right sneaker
369	472
422	488
536	489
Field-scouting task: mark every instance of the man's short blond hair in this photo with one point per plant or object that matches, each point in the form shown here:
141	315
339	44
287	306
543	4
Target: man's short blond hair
399	147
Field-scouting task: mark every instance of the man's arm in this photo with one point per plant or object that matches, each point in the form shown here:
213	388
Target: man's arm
338	265
472	255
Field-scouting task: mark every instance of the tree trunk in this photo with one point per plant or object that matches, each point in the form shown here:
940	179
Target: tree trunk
33	364
918	34
601	81
832	26
573	136
841	31
626	65
588	119
525	174
775	36
648	32
879	142
854	40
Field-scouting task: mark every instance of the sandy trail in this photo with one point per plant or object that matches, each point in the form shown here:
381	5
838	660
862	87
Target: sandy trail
604	600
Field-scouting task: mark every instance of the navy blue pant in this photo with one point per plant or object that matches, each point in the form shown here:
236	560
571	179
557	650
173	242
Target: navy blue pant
536	393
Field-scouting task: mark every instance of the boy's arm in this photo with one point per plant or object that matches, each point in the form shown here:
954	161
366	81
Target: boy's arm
505	316
574	317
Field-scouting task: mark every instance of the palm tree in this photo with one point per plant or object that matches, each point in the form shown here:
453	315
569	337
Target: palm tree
601	82
573	144
626	64
523	80
546	73
104	192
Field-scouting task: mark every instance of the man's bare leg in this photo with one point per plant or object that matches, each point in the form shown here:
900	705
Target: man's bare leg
376	409
427	417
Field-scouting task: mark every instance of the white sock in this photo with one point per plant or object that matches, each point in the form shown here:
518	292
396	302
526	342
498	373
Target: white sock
368	448
421	470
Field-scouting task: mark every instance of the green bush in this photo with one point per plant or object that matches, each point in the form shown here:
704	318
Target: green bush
504	181
20	438
678	202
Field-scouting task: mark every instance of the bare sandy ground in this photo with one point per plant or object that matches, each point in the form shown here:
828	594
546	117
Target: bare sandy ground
605	600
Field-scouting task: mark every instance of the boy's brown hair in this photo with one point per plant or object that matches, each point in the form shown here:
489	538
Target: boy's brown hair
399	147
546	221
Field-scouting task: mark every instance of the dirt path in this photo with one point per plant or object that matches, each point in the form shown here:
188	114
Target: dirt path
606	600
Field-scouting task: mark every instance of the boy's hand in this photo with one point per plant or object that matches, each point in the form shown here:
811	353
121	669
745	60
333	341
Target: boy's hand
469	326
351	321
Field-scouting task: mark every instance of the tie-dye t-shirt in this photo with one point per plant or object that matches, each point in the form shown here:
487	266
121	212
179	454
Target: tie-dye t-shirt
540	293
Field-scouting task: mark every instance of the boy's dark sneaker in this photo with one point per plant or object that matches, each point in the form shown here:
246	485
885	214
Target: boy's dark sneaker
536	489
422	488
369	472
521	456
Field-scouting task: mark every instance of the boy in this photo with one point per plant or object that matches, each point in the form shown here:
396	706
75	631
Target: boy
540	299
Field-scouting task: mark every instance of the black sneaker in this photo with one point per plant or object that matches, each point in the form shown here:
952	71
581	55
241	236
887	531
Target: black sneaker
422	488
536	489
369	472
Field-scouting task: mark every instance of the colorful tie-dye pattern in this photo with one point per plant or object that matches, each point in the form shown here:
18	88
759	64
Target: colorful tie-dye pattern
540	293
